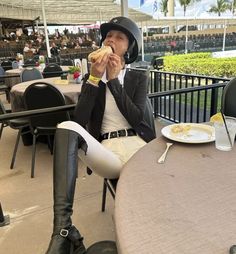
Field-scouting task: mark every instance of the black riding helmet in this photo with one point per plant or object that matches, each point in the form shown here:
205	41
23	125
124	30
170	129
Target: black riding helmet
132	31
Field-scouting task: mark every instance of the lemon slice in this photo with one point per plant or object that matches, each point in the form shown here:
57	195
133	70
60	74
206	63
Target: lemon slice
216	118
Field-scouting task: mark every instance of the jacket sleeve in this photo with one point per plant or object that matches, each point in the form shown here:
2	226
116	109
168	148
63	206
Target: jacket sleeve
131	108
85	104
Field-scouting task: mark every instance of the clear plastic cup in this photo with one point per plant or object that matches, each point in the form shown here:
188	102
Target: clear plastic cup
222	141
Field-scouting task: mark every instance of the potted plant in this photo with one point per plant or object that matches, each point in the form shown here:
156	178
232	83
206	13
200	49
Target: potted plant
41	62
74	74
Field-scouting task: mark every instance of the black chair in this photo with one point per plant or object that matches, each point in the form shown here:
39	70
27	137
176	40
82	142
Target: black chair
228	99
158	63
22	125
43	95
52	70
111	184
4	88
53	59
6	65
30	62
15	65
67	62
30	74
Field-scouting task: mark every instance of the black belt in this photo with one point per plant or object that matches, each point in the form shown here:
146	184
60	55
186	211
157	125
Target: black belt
119	133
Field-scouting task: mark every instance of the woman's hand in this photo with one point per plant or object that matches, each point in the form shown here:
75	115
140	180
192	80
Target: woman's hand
114	66
98	67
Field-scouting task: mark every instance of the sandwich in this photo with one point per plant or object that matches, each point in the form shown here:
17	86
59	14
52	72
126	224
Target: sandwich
92	57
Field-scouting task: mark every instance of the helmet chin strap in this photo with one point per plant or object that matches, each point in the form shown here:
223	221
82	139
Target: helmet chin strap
126	56
129	51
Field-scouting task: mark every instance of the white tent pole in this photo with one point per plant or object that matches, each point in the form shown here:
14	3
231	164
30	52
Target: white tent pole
100	17
124	8
45	28
37	26
186	38
225	27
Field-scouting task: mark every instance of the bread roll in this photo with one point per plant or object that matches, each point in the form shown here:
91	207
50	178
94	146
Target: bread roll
92	57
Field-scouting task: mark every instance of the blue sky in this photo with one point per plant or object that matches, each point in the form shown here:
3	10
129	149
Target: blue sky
198	9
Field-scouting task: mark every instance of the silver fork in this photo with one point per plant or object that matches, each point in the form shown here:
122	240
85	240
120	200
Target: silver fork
163	156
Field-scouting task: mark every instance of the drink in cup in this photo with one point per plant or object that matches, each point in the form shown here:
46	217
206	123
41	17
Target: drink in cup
222	141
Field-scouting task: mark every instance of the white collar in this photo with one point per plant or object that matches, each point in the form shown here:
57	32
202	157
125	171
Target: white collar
120	76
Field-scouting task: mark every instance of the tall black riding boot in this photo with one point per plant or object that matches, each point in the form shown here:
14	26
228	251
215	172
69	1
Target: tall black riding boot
66	239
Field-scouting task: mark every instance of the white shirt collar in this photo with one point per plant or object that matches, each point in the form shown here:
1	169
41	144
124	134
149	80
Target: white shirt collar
120	76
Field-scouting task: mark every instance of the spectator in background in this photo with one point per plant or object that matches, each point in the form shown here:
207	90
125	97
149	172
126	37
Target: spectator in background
54	49
29	48
94	46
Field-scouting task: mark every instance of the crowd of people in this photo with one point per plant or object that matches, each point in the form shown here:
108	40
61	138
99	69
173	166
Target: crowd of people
176	43
35	42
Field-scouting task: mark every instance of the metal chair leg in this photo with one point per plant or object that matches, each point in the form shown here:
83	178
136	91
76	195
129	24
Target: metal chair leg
104	194
50	143
1	129
4	219
15	149
33	156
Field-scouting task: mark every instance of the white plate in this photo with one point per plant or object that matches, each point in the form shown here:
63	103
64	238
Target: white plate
195	133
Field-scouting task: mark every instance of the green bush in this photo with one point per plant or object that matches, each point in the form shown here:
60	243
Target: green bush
200	64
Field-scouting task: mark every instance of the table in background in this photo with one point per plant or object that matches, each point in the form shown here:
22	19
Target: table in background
185	206
70	91
10	82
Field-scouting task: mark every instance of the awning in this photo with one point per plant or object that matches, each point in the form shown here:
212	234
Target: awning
68	11
176	21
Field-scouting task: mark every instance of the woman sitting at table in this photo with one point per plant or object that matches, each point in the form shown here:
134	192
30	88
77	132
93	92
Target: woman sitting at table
112	105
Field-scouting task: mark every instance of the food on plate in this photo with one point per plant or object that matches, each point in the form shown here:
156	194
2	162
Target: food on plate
180	128
216	118
92	57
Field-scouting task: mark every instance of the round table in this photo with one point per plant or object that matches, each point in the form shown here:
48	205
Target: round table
71	91
10	82
185	206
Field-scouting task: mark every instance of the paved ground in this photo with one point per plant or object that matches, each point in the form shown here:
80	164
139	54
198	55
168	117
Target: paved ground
29	201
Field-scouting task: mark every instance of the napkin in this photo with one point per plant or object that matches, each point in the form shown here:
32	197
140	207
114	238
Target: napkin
61	82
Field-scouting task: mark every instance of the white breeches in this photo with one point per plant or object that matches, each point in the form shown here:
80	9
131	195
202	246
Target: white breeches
105	159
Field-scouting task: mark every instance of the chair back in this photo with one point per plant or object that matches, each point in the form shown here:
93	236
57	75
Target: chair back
52	70
2	73
43	95
67	62
30	62
30	74
228	104
53	59
2	108
149	115
2	112
6	65
15	65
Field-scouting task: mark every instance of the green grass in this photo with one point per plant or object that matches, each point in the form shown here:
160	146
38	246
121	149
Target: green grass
200	64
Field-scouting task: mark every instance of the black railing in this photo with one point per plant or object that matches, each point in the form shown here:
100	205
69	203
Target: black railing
179	97
175	97
35	112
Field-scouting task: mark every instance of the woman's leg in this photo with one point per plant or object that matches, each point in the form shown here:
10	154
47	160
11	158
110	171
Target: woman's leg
66	239
98	158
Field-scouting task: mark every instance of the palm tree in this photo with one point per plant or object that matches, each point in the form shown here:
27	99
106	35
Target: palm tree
232	6
164	7
220	7
185	3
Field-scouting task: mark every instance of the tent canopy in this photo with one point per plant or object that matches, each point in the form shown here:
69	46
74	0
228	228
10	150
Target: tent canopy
67	11
176	21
